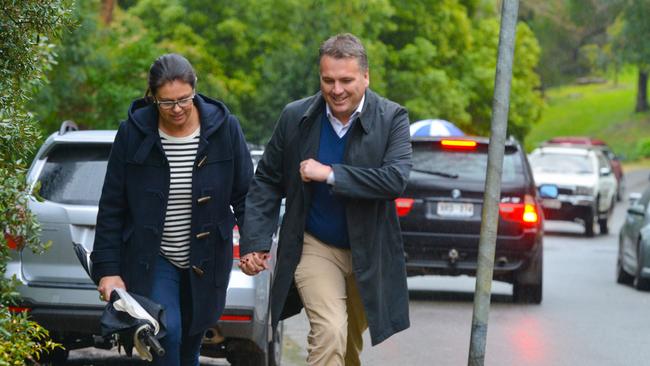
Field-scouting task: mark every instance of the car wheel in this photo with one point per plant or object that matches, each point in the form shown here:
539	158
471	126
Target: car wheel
639	282
622	277
526	292
589	225
602	225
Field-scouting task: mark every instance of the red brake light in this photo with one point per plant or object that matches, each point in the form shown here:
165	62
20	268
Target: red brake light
236	318
13	242
403	206
525	212
235	242
458	144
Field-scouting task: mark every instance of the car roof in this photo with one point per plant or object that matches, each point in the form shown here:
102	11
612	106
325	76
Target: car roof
566	150
577	140
77	137
90	136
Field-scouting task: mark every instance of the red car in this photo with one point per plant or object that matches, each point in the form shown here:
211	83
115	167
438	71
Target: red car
600	144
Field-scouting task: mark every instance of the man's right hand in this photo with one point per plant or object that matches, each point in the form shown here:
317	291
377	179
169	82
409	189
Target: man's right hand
107	284
254	263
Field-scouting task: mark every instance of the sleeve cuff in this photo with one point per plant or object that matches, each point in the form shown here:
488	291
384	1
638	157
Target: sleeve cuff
330	178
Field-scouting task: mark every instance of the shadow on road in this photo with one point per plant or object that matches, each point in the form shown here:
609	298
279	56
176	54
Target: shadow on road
453	296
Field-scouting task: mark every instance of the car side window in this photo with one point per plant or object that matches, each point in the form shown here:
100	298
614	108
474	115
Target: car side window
602	162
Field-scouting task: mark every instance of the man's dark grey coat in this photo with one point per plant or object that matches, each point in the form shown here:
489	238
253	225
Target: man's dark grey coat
377	162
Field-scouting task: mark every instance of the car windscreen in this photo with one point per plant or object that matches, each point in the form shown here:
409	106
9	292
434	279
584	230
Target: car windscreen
561	163
74	174
468	164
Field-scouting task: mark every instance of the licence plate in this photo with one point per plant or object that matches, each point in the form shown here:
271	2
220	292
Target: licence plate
455	209
551	203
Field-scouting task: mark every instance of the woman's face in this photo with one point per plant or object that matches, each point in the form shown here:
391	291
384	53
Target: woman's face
175	104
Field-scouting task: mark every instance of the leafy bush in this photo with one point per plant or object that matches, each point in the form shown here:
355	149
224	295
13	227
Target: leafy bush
26	30
643	148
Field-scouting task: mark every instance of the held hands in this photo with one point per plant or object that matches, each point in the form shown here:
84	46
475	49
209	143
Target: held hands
312	170
254	263
107	284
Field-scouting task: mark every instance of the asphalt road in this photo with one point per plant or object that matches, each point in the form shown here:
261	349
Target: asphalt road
586	318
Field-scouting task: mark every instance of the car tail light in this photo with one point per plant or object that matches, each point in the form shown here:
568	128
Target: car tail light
235	242
458	144
525	212
403	206
13	242
236	318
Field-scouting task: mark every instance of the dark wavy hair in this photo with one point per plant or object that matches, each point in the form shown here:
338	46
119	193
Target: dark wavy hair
167	68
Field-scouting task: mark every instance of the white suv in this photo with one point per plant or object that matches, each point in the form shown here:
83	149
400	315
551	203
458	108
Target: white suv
586	183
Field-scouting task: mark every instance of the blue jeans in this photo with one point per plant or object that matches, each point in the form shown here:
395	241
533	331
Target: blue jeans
171	289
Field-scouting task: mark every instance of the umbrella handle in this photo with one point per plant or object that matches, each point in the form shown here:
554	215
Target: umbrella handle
147	337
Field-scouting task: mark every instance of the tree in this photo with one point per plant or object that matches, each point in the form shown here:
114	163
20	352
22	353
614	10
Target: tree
27	30
634	46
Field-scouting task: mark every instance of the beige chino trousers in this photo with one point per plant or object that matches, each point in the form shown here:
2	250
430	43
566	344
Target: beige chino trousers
329	292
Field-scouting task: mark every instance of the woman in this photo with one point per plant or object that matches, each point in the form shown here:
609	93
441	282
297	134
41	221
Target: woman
164	227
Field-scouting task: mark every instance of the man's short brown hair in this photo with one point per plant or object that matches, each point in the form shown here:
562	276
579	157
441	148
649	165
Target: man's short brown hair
345	45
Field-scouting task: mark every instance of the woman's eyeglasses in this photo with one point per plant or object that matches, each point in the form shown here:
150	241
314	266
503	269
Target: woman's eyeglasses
169	104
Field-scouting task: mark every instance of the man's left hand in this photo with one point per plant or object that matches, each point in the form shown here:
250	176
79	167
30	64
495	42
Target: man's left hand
312	170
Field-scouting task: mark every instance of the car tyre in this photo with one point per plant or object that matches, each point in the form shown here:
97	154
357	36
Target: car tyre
640	283
529	293
622	277
602	224
589	225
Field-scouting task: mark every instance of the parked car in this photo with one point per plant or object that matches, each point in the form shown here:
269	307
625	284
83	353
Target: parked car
587	186
613	159
633	262
58	292
440	214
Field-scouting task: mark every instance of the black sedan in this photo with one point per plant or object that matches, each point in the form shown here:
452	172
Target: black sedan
440	214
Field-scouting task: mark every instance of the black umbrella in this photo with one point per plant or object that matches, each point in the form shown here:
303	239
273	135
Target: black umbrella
137	321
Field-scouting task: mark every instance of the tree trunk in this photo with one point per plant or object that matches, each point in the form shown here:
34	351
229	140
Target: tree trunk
642	92
107	11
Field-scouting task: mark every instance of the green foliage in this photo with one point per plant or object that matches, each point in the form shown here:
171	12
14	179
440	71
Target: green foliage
573	36
435	57
100	70
643	148
602	111
26	31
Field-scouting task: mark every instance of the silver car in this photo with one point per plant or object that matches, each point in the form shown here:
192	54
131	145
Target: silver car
57	291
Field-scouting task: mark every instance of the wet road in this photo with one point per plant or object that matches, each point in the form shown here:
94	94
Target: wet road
586	318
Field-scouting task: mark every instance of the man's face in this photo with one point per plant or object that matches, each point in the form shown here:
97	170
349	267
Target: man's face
343	84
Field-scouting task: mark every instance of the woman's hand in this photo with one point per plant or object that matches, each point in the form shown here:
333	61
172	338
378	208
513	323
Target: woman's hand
107	284
254	263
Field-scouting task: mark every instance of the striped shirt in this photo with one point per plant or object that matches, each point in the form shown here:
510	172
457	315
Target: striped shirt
181	153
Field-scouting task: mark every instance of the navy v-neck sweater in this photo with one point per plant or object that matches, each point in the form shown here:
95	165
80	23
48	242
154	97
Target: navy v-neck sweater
326	219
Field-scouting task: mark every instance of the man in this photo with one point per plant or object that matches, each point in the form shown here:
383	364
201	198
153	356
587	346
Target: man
341	158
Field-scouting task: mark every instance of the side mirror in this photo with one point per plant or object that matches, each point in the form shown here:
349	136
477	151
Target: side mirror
605	171
638	210
548	191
